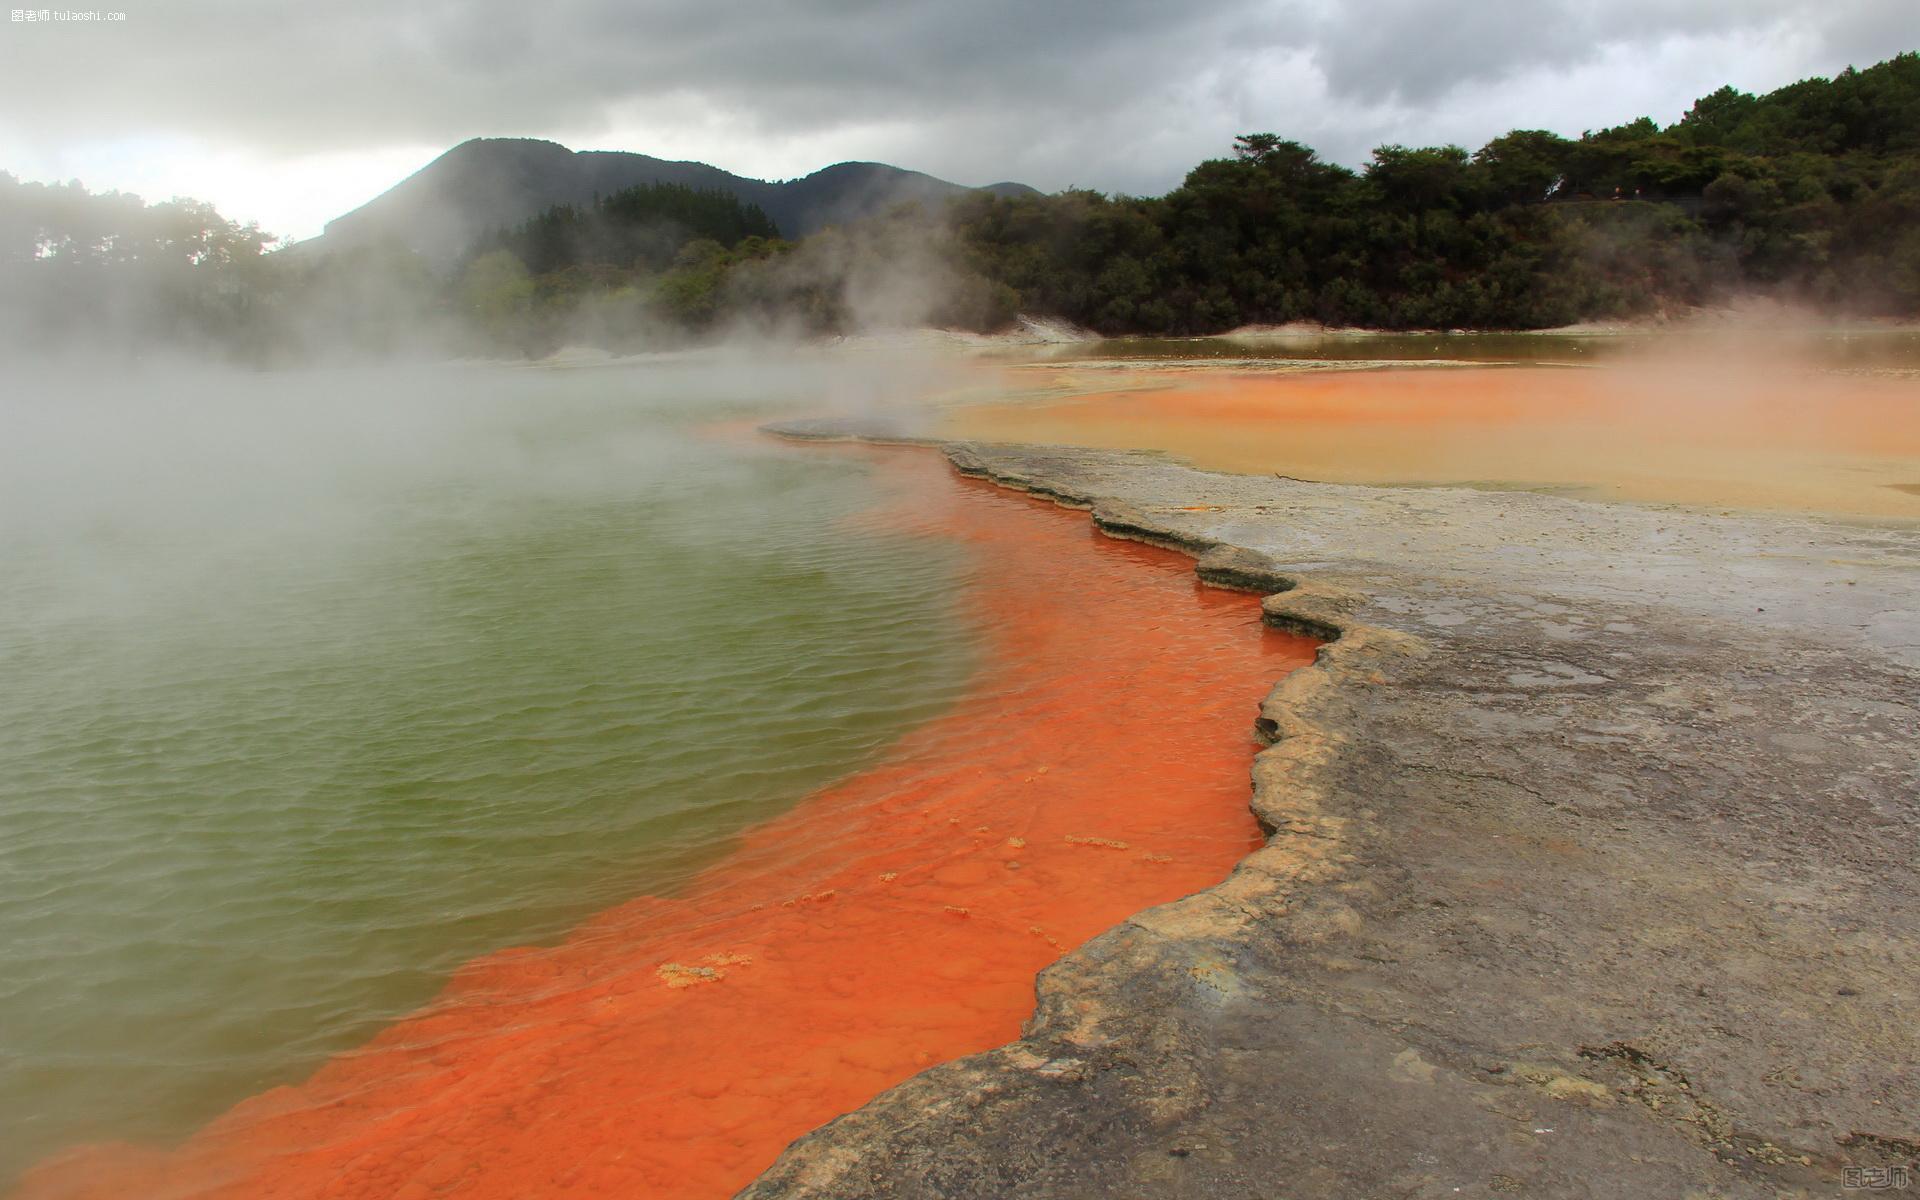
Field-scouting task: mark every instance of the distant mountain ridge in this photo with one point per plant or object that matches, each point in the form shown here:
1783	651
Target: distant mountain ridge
491	183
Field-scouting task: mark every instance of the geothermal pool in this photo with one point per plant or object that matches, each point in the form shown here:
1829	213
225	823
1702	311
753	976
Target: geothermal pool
1750	419
520	788
319	686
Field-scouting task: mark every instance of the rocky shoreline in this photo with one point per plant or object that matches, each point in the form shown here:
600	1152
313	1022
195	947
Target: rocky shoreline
1590	872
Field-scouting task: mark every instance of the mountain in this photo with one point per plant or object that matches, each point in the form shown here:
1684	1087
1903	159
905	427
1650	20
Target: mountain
491	183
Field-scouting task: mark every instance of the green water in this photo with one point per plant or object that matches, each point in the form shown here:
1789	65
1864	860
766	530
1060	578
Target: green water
316	686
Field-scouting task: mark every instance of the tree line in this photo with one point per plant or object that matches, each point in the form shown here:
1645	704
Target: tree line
1808	193
1811	192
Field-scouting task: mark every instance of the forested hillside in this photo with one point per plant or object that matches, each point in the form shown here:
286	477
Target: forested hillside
642	226
1810	193
486	184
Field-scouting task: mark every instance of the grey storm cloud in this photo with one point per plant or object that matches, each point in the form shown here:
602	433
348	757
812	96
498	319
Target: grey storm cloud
1118	89
1416	50
355	70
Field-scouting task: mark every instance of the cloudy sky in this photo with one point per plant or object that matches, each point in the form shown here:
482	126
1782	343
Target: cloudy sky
289	114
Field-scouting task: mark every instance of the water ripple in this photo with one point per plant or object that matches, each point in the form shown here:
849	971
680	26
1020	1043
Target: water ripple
246	818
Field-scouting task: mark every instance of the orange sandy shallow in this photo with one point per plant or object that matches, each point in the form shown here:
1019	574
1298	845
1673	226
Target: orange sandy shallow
673	1047
1721	407
1745	433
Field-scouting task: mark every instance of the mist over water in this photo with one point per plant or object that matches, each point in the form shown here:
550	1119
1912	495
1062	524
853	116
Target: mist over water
319	685
1735	413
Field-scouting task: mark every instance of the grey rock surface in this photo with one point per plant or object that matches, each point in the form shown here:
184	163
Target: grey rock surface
1591	872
